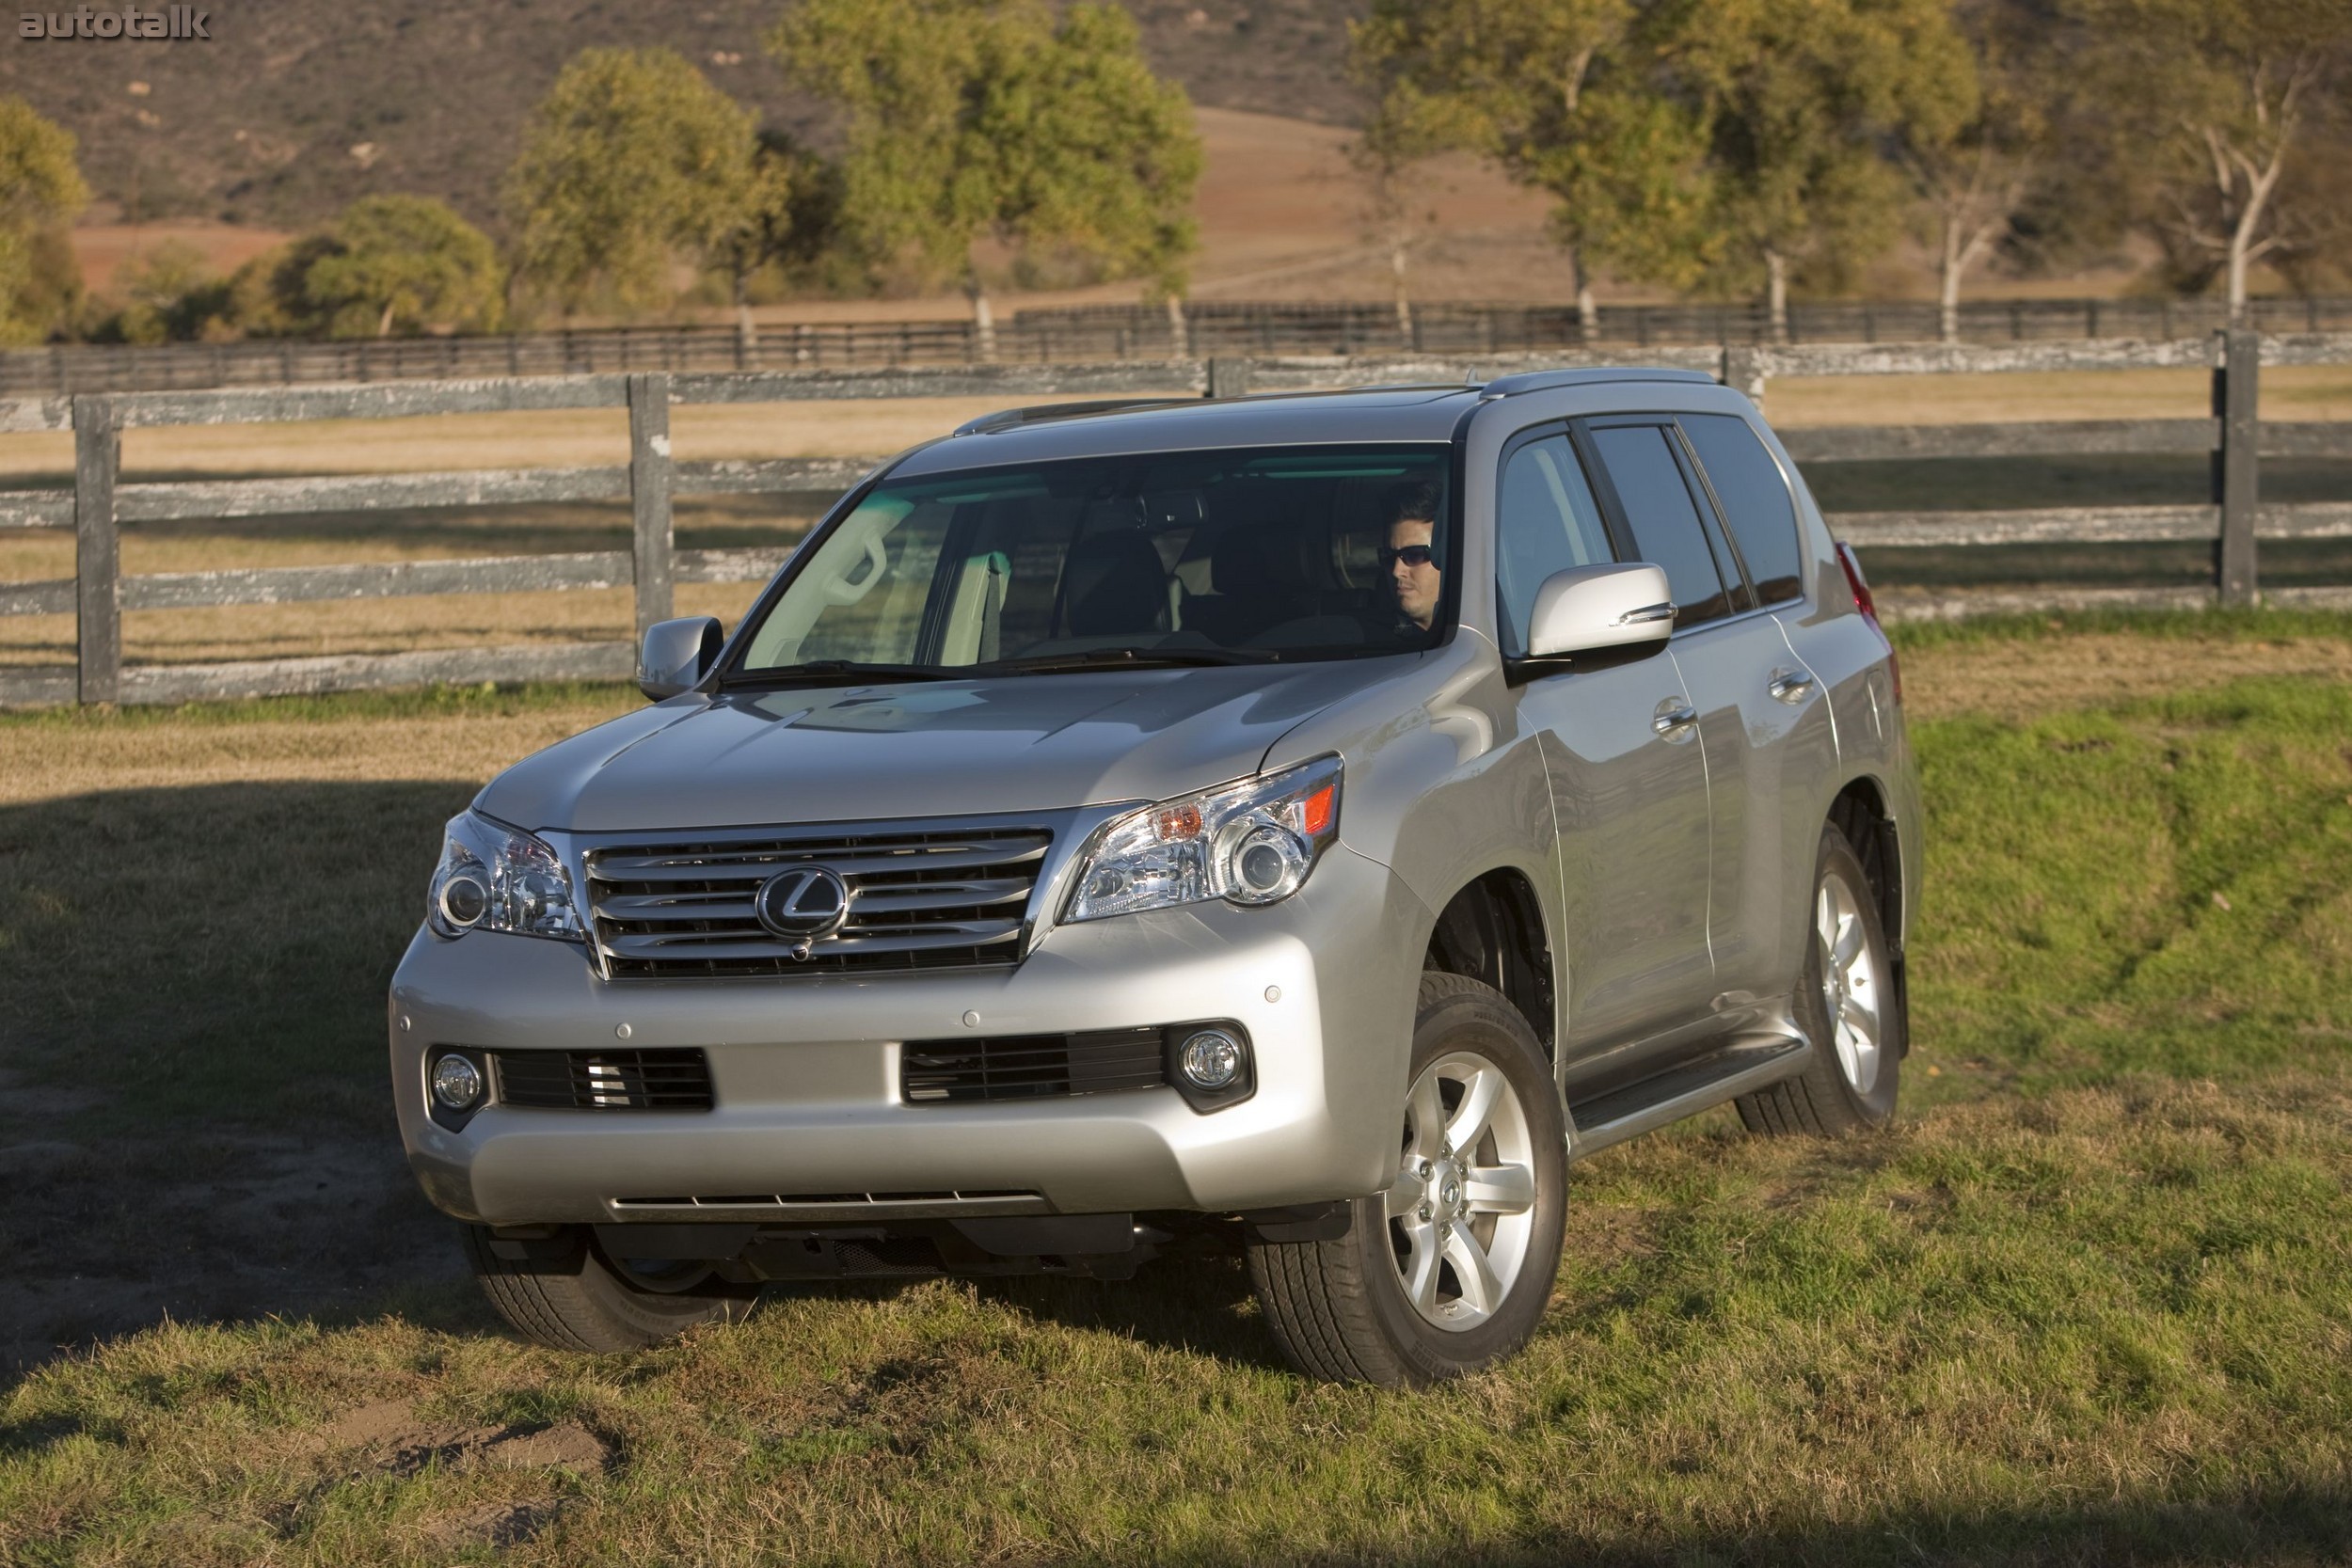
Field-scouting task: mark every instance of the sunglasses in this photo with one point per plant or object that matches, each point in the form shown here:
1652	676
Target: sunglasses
1412	555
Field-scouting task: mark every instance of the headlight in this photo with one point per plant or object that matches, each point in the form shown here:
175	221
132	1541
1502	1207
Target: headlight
1247	843
494	879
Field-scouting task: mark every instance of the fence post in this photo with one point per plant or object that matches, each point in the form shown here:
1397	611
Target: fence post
649	495
97	549
2236	383
1228	378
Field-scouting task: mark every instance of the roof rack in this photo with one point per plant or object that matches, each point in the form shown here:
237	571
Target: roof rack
1544	381
1036	413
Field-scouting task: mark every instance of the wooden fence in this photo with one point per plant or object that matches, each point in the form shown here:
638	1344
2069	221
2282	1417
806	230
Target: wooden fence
99	504
1220	328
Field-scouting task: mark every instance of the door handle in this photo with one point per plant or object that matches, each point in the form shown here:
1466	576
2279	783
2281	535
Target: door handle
1674	719
1791	685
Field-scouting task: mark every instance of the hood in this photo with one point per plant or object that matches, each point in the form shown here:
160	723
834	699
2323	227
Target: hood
921	749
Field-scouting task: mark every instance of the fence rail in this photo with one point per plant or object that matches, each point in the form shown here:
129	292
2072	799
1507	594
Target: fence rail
98	505
1118	332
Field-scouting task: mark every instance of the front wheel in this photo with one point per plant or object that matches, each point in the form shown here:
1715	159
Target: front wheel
1448	1270
563	1292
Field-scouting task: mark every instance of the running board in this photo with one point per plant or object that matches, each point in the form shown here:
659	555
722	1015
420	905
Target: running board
1682	1091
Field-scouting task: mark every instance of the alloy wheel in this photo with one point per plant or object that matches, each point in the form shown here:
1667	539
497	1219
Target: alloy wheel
1850	987
1460	1211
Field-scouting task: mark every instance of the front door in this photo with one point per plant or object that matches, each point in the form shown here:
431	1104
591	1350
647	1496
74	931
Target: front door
1628	784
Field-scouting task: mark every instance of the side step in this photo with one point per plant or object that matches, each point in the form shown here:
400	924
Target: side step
1682	1091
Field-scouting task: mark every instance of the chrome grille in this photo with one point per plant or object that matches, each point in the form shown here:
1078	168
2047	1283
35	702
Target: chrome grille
943	897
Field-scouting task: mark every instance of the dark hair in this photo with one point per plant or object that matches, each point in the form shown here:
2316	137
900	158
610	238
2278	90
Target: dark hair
1414	500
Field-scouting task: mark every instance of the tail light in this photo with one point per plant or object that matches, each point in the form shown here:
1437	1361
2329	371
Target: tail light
1868	606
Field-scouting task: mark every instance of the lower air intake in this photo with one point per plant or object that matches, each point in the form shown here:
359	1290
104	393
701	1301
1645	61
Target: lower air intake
603	1079
1033	1067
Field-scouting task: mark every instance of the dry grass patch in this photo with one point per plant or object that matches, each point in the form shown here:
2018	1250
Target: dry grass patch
2013	680
2288	392
553	439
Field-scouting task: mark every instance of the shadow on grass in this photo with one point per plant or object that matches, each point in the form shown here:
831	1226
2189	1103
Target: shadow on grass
195	1120
194	1124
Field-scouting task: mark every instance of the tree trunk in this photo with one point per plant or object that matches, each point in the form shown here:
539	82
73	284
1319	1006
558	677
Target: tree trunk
984	319
2238	237
1399	258
1776	294
384	322
1948	295
1587	308
1179	332
746	330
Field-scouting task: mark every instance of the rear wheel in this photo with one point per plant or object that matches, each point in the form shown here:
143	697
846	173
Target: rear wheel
563	1292
1448	1269
1848	1004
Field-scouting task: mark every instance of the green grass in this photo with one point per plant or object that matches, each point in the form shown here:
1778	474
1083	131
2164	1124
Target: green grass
2090	1300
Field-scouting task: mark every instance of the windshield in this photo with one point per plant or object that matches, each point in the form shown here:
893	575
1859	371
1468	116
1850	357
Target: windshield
1170	558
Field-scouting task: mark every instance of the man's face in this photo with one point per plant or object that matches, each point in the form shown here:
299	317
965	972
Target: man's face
1413	573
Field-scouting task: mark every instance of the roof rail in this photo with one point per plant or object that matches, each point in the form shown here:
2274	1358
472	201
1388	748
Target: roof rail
1007	419
1544	381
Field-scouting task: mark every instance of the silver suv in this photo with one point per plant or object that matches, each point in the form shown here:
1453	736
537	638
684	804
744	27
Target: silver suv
1303	822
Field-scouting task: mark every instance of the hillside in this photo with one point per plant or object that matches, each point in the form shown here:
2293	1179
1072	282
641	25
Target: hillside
295	108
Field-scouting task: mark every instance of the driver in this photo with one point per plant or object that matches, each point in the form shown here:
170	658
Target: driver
1410	558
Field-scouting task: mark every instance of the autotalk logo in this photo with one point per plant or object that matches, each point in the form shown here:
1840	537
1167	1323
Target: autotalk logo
171	21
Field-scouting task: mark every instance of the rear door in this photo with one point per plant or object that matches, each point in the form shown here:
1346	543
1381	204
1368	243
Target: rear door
1629	786
1763	725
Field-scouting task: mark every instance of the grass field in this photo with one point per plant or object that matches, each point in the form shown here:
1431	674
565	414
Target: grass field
2090	1301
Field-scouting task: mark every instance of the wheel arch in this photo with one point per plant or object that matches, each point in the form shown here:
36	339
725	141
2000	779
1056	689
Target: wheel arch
1863	813
1493	931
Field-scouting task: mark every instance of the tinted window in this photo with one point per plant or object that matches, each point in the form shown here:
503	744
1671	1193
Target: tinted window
1755	501
1665	521
1272	552
1545	521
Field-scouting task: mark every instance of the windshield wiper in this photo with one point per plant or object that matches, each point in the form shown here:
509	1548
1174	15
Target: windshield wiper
1132	658
828	671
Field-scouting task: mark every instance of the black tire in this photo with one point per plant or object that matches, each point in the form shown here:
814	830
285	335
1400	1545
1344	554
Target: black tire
1822	1101
1340	1308
564	1293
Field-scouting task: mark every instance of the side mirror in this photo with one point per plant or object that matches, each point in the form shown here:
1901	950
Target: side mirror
1590	607
677	655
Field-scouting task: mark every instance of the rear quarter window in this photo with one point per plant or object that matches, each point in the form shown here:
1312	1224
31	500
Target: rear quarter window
1755	502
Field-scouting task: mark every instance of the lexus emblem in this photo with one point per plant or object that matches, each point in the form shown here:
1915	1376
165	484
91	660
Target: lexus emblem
802	906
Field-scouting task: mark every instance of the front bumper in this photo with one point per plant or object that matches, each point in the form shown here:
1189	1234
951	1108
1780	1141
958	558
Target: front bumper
805	1071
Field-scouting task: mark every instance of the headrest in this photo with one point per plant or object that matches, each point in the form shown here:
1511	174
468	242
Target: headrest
1252	560
1114	586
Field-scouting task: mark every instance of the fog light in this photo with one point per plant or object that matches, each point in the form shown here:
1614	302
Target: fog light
1210	1059
457	1082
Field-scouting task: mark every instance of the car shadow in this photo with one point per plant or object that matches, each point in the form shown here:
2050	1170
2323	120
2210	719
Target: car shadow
195	1118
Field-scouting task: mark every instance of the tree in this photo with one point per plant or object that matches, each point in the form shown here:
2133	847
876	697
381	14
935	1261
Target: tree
1800	96
1396	191
760	230
978	120
402	261
1974	152
1573	96
2207	106
631	159
40	193
169	294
